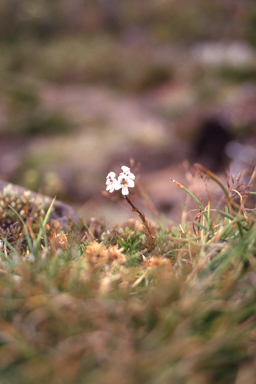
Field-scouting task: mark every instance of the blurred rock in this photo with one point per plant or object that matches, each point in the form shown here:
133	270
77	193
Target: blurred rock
209	148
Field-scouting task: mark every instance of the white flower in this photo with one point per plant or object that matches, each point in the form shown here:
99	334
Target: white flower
111	182
127	172
124	182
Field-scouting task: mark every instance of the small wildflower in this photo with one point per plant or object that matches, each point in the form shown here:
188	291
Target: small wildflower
124	182
111	182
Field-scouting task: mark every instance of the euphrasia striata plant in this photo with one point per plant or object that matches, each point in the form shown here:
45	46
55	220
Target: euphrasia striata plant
124	181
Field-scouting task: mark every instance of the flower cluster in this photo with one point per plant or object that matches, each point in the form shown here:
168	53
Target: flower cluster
125	180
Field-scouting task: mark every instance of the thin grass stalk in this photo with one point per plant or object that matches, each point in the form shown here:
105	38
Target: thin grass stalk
42	227
195	199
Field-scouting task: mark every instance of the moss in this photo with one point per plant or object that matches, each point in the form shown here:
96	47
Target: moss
13	204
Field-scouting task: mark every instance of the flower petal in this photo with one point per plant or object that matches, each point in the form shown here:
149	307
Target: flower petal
111	175
125	169
110	188
127	172
130	183
125	190
118	185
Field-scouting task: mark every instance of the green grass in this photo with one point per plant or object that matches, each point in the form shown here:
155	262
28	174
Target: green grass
92	305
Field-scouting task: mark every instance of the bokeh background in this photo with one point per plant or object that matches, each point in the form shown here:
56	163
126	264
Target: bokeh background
86	85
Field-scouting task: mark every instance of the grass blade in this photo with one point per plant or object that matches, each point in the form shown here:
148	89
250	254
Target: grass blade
194	198
42	228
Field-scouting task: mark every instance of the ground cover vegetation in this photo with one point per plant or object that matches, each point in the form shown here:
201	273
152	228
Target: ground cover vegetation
90	303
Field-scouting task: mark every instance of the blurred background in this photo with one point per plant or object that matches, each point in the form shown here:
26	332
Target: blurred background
86	85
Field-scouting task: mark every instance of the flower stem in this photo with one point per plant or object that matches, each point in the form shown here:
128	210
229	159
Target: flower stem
148	232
